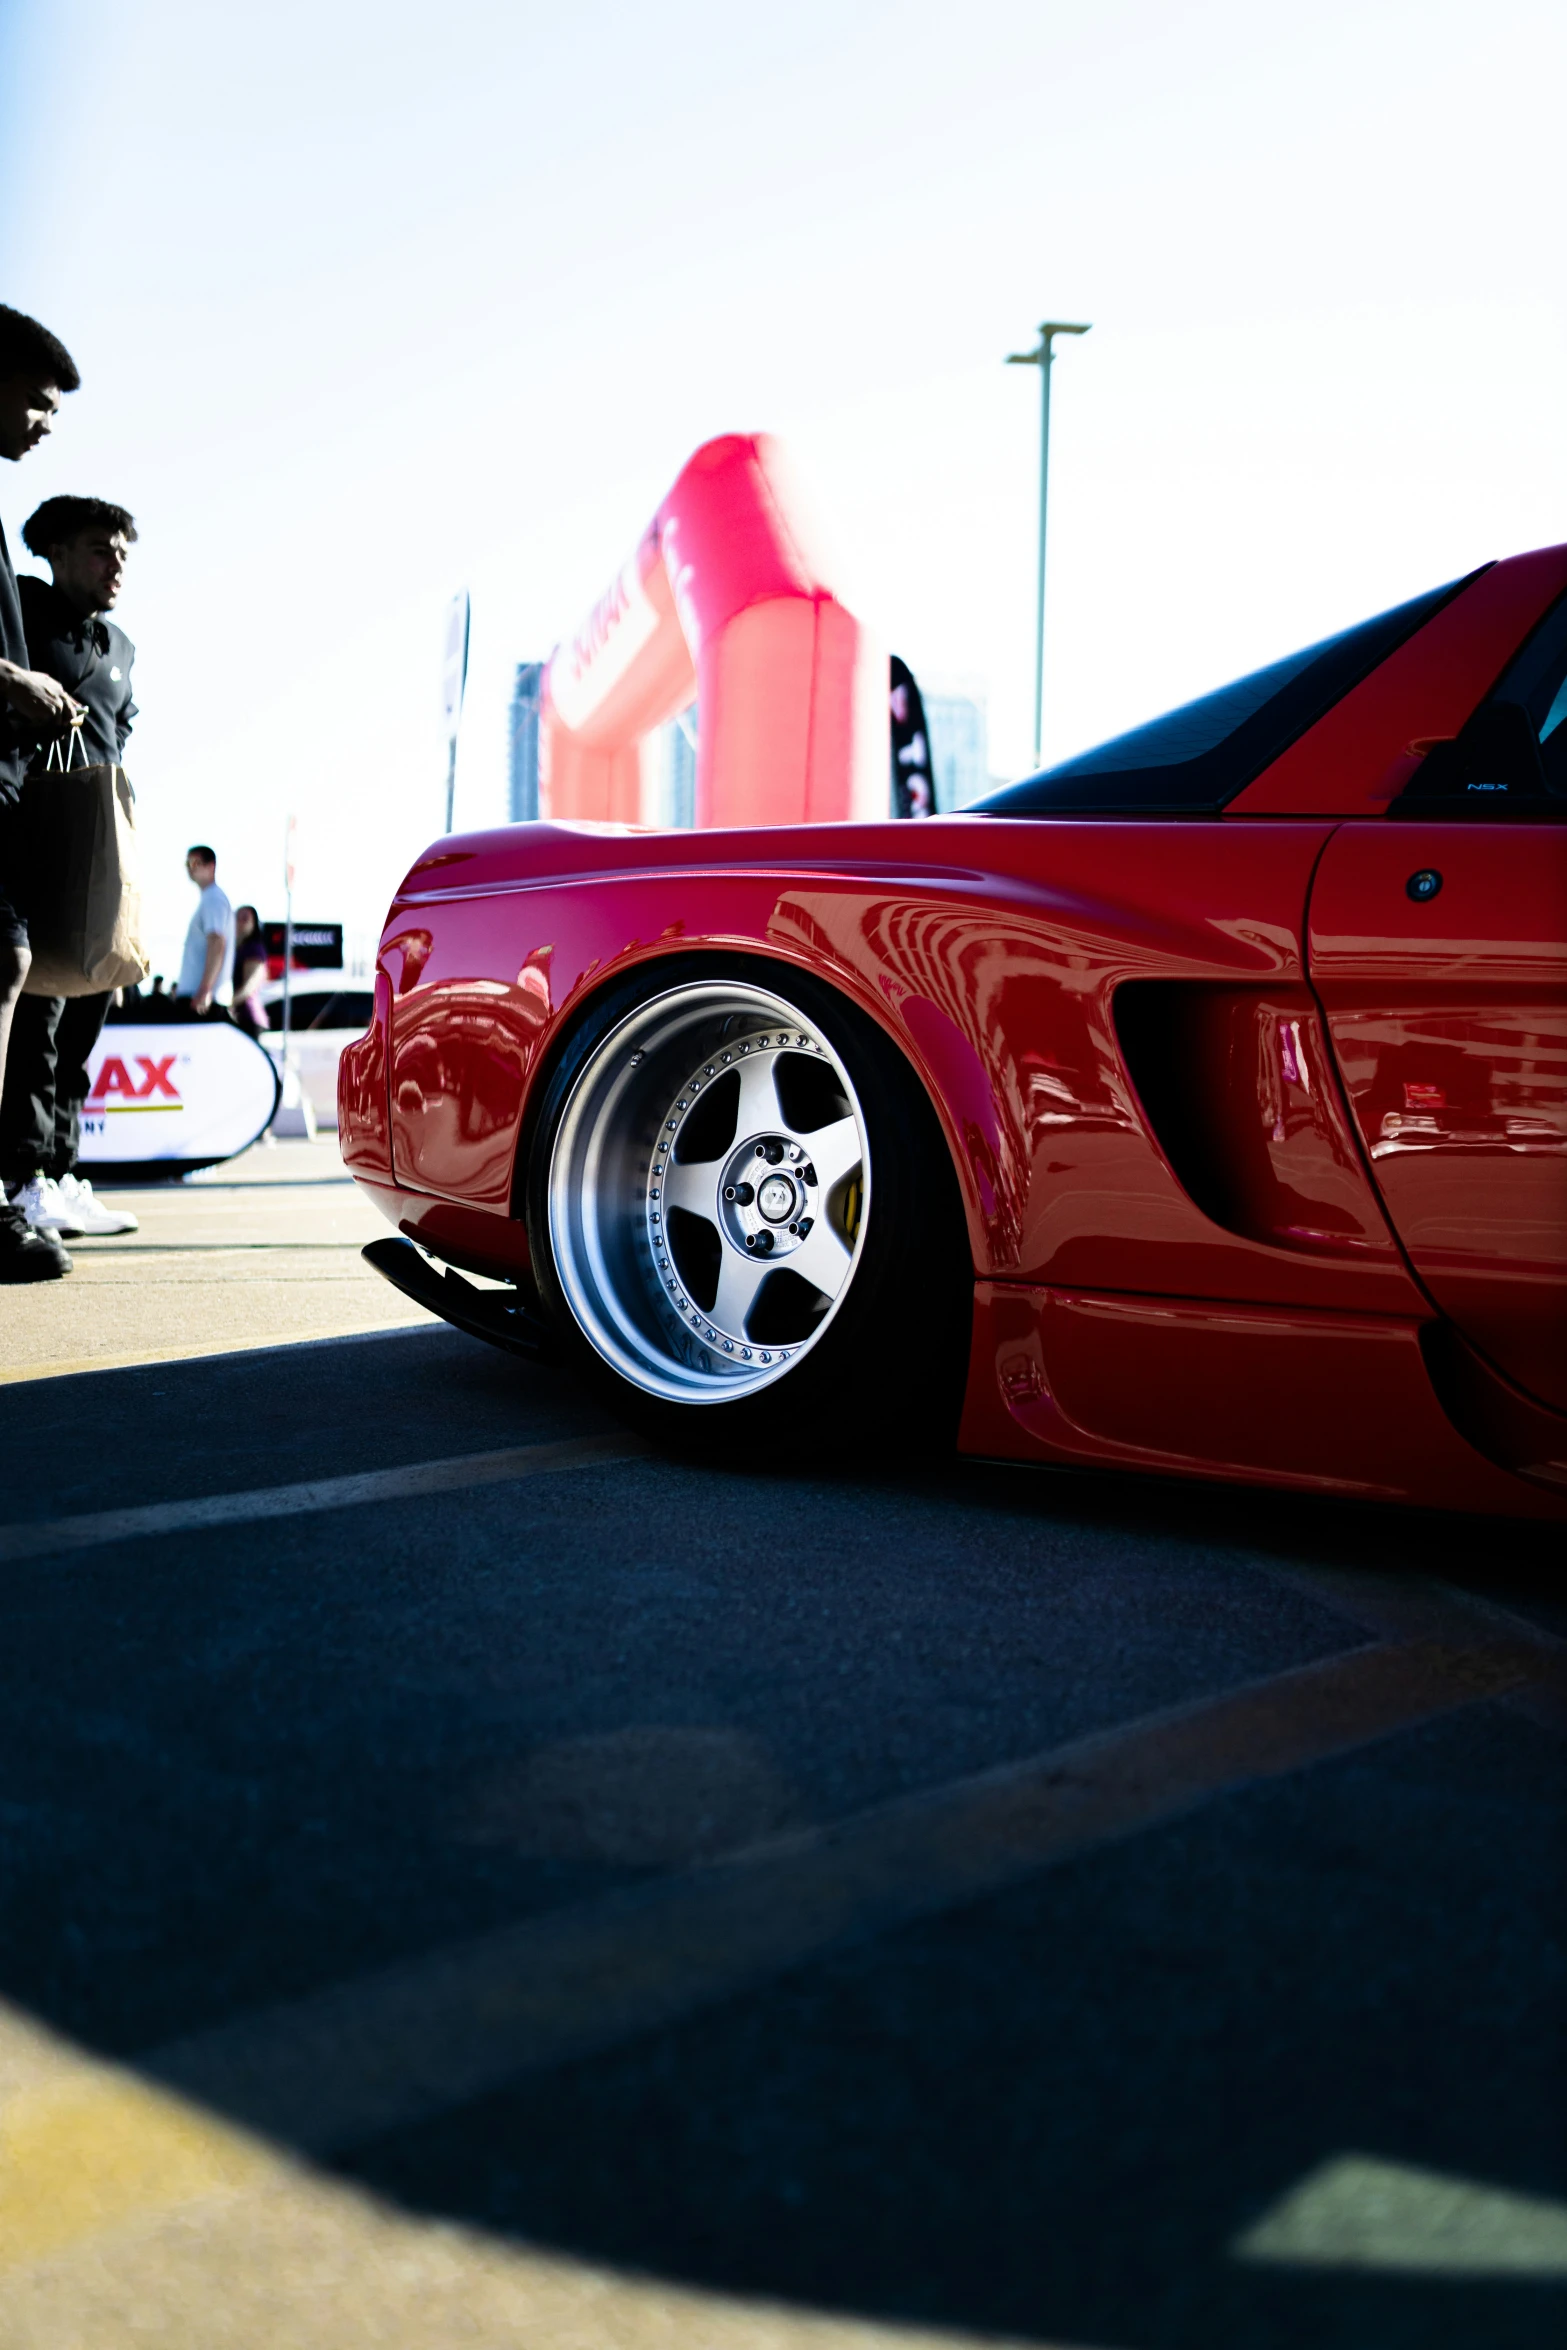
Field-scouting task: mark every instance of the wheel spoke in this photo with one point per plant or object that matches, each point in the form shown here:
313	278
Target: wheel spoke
694	1187
739	1279
760	1112
822	1259
834	1150
617	1206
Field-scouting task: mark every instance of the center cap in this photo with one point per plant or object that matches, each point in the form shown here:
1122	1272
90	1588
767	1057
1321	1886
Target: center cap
775	1198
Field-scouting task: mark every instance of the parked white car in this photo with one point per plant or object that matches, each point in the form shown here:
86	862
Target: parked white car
327	1009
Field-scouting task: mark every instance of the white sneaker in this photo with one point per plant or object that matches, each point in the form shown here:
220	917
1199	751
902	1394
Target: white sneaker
84	1215
40	1204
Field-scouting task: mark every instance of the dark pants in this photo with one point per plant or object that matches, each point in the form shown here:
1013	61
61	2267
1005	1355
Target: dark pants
14	876
46	1083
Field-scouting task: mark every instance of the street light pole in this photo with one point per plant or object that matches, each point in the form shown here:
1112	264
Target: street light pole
1043	359
290	831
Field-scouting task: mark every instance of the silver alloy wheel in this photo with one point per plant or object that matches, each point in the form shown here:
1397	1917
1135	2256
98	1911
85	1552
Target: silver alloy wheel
708	1192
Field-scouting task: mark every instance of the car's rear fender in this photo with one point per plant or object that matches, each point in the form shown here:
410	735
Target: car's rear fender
996	986
469	1051
768	970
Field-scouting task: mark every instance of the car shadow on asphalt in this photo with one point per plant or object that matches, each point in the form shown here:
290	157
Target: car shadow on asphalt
239	1766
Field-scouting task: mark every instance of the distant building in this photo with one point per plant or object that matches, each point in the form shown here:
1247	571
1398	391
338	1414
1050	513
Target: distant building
524	801
675	755
959	747
677	777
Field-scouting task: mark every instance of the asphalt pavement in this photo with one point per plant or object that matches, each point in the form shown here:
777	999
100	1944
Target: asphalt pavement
262	1251
469	1879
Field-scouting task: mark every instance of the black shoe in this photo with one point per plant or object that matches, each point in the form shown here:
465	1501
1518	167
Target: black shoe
27	1254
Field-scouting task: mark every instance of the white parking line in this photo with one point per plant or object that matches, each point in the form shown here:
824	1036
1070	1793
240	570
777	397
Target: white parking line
56	1536
365	2057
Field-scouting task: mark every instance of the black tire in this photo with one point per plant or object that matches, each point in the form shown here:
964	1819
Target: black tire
884	1360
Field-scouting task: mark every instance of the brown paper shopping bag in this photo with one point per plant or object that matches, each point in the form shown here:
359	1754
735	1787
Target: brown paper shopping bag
84	917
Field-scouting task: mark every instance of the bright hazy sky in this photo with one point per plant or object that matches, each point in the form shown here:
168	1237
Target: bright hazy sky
372	302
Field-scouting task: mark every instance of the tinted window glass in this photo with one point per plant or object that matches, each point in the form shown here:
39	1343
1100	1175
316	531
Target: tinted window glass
1197	758
1510	759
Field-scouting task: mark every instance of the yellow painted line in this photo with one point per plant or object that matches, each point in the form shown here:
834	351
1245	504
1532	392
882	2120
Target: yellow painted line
208	1353
333	2070
56	1536
86	2148
1422	1607
89	2148
125	2212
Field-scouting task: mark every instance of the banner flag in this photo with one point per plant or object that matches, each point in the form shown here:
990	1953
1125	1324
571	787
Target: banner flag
182	1093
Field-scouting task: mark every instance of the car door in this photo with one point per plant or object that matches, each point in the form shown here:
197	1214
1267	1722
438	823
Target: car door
1437	946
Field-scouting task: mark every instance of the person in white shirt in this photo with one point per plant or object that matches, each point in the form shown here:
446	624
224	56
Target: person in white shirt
207	966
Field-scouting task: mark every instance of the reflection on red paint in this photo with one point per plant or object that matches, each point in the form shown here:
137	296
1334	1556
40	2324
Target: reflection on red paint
1342	1402
413	947
1449	1018
1291	1060
363	1129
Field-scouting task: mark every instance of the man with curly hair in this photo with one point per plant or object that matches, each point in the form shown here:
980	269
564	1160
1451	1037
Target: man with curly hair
36	371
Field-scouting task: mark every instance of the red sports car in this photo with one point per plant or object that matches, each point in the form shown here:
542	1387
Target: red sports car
1197	1106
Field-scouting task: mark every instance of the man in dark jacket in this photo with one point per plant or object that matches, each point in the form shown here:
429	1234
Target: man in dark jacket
85	542
35	371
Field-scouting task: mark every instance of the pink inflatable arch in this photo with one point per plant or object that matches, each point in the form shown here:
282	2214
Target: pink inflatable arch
724	603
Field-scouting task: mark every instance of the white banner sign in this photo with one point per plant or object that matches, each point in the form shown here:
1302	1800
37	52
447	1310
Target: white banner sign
192	1091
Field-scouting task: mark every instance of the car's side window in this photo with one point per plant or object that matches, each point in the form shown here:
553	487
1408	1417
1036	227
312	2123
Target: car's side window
1510	759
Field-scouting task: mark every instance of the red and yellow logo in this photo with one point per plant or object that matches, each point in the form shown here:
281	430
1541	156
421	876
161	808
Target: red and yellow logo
114	1088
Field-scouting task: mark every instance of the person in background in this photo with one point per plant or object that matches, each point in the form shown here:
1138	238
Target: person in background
250	971
36	370
207	966
85	542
